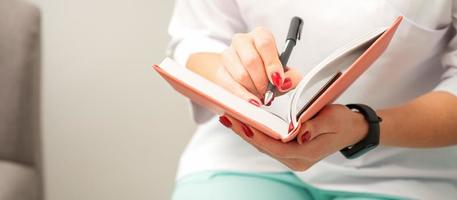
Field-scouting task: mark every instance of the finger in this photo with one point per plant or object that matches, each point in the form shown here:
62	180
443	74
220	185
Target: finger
266	47
320	147
244	131
263	142
251	60
291	80
236	125
236	69
226	81
314	127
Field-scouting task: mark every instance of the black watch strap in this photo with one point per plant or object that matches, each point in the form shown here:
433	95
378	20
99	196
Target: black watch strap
371	140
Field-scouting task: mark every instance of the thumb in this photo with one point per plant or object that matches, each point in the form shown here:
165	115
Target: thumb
313	128
291	80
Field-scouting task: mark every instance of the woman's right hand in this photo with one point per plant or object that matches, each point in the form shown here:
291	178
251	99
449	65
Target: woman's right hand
247	66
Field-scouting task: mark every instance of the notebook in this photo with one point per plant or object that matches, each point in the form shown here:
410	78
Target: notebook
319	87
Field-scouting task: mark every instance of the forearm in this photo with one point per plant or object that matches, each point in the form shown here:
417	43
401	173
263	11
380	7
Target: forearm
427	121
205	64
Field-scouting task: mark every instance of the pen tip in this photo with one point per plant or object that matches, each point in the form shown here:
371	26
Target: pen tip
268	98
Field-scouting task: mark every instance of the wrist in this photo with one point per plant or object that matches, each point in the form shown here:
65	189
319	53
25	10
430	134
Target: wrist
370	137
360	128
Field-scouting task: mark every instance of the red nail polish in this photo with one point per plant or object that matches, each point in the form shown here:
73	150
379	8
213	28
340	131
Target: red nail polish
225	121
287	84
305	137
247	131
291	127
254	102
276	78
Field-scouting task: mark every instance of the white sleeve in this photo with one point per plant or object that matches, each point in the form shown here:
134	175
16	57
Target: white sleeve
449	78
202	26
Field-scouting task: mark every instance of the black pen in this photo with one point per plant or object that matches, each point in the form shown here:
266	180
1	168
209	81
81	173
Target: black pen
293	35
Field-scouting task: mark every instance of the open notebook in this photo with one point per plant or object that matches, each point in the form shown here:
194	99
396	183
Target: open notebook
321	86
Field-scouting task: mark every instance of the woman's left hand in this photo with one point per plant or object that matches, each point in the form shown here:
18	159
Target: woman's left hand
334	128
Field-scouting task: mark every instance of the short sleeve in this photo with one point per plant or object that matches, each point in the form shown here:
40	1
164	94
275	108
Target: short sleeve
449	78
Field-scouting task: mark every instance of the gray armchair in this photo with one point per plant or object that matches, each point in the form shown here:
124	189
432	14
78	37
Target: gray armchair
20	166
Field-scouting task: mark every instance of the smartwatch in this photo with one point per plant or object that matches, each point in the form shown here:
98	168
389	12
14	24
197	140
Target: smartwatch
371	140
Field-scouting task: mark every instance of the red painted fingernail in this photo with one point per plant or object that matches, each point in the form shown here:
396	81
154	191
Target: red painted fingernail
305	137
254	102
247	131
287	84
291	127
225	121
276	78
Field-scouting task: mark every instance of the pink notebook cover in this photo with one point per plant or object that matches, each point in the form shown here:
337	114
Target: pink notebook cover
327	97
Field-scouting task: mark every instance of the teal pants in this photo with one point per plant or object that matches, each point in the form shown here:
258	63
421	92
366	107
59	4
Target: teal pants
264	186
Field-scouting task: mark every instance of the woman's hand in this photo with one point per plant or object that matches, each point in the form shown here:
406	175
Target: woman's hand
247	66
334	128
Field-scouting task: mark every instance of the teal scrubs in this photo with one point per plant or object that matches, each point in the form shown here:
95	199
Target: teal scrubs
263	186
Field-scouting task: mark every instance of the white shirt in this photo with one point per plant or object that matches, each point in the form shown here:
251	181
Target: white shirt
421	57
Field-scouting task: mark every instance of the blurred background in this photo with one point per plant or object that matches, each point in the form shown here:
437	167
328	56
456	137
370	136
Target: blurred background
111	128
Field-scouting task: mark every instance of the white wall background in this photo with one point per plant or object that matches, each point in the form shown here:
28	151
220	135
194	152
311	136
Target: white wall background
112	128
